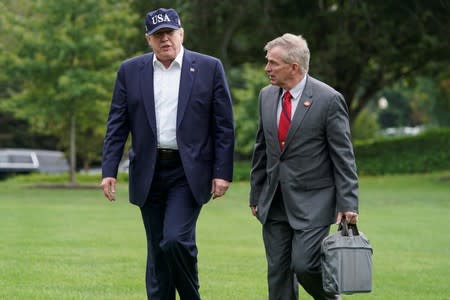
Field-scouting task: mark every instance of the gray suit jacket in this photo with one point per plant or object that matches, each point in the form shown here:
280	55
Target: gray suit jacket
316	170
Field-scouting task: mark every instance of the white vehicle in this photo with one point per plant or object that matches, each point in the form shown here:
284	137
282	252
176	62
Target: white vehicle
32	160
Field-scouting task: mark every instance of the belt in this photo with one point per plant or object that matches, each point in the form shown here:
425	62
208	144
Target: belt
166	154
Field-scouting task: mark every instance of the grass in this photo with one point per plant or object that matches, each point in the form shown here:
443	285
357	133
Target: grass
73	244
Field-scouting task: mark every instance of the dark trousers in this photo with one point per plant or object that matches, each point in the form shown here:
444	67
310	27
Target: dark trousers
170	216
292	255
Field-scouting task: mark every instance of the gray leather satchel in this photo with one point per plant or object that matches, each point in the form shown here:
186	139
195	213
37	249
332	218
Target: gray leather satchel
346	257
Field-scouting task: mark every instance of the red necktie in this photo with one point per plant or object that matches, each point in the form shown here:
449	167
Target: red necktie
285	118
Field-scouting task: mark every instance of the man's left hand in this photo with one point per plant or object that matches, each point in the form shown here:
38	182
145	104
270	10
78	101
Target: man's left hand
219	187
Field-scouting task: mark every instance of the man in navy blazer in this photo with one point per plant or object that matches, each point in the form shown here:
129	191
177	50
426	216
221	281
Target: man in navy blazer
177	106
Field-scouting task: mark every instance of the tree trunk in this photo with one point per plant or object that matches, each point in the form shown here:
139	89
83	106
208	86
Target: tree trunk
72	147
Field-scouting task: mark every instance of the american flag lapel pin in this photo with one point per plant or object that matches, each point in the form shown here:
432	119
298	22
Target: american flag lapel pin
192	69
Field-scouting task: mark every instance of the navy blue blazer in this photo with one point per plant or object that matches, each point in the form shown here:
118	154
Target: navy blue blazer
205	129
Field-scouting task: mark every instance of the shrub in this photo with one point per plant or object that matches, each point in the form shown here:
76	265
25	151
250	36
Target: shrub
427	152
365	126
241	170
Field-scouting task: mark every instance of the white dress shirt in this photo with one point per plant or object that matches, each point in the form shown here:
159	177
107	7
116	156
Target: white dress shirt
296	93
166	83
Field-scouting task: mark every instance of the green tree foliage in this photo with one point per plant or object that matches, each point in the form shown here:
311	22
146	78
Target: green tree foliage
357	46
15	133
58	57
246	82
63	65
399	112
421	101
365	127
441	107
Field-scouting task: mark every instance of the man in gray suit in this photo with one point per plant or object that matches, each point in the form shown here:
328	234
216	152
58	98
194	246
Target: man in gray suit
303	176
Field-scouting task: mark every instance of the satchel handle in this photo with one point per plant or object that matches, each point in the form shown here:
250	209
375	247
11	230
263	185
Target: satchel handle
344	227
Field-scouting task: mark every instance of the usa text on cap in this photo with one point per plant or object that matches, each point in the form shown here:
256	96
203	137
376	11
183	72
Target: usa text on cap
161	18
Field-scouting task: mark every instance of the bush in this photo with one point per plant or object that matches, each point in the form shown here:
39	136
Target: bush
427	152
241	170
365	126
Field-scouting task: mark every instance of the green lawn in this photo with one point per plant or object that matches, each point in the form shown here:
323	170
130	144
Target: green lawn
73	244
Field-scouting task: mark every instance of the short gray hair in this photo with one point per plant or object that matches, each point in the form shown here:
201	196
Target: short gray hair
296	49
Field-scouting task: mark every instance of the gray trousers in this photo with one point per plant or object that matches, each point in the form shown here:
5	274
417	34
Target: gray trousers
292	255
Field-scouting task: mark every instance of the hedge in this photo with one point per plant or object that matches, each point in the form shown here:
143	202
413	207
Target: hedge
426	152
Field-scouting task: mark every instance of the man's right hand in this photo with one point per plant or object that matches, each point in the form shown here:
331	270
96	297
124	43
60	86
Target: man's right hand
109	188
254	209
